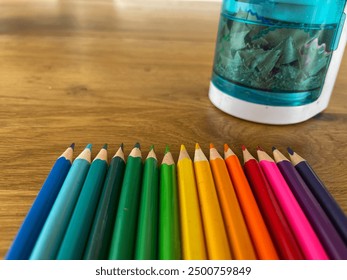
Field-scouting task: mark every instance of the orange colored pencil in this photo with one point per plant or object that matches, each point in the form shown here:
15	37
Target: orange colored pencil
263	244
239	239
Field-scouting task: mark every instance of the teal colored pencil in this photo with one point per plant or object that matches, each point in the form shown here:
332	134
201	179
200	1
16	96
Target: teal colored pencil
124	233
169	231
52	234
100	235
147	231
76	236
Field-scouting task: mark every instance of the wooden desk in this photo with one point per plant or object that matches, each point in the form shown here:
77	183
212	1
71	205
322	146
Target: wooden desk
125	71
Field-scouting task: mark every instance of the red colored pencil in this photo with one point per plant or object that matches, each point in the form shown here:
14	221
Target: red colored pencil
275	220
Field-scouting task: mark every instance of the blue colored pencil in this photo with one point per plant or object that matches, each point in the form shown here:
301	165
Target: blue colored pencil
76	235
322	194
31	227
53	231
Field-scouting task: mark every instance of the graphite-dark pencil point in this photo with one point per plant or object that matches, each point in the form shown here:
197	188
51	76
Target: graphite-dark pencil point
274	148
72	146
137	145
105	146
290	151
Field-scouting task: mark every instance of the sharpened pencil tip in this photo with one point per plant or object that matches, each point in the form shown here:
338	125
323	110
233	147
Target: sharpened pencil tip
274	148
137	145
151	147
226	147
89	146
290	151
197	146
183	148
211	146
260	149
122	147
243	148
167	149
72	146
105	147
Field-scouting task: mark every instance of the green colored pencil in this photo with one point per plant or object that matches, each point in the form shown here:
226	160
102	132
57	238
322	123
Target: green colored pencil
169	232
76	235
147	232
101	233
124	232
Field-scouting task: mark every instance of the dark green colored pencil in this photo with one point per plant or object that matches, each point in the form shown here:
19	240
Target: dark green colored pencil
147	232
101	233
124	232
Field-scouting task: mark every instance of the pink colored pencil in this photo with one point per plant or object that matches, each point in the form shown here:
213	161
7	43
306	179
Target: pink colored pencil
306	237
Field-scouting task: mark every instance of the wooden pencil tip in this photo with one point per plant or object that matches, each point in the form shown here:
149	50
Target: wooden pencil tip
151	147
105	146
290	151
167	149
89	146
137	145
72	146
211	146
197	146
260	149
244	148
226	147
183	148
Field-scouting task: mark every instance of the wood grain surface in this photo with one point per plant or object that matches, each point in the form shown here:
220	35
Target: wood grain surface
126	71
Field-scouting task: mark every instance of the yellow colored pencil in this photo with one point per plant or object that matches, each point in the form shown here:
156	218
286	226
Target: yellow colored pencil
215	235
192	234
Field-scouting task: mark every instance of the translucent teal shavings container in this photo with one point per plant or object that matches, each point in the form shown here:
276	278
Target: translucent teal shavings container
276	52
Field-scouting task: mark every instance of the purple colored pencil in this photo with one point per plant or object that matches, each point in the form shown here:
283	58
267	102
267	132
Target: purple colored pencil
329	237
323	196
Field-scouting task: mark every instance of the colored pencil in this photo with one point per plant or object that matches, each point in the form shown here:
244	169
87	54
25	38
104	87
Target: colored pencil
192	234
32	224
124	232
76	236
262	241
169	231
328	236
276	222
239	239
306	237
101	232
215	235
53	231
323	196
147	232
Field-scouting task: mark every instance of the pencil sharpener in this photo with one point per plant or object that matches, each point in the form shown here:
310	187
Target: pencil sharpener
276	61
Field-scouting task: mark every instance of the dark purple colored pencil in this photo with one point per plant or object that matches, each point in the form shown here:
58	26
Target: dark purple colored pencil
323	196
326	232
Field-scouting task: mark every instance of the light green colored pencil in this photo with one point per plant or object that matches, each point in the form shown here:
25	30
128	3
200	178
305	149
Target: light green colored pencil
169	231
76	235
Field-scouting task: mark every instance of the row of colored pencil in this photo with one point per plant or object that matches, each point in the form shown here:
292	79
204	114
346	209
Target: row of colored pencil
200	209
